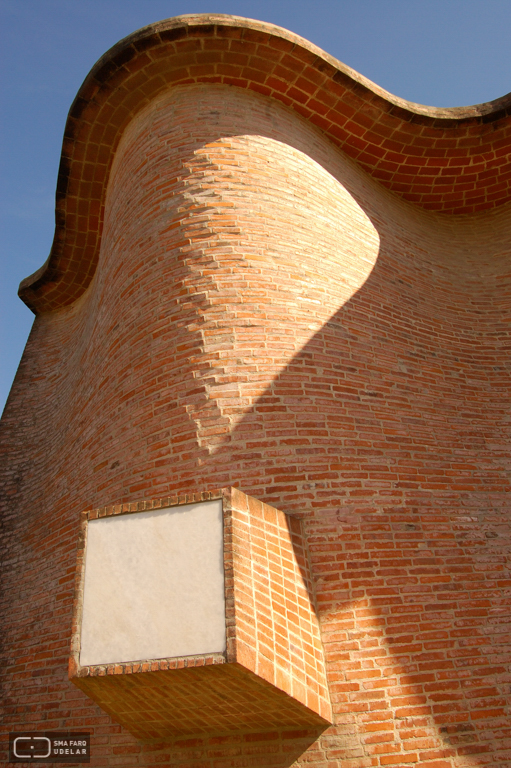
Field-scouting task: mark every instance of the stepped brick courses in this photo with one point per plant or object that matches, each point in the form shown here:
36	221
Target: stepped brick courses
329	336
453	160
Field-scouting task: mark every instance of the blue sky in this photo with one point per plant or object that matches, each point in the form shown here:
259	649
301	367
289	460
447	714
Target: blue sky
439	52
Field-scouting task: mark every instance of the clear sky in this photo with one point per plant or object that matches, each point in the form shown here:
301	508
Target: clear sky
443	53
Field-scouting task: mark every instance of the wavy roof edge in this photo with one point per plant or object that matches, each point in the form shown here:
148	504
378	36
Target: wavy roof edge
454	160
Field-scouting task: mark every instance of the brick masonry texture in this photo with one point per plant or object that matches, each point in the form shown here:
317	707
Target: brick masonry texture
455	160
267	315
273	673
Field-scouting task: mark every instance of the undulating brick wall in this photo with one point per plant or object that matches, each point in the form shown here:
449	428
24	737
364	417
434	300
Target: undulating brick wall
268	316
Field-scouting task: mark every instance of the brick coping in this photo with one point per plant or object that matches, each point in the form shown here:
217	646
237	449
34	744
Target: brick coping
449	160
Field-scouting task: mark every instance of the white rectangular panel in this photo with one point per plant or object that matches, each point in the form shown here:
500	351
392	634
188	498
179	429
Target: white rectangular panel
154	585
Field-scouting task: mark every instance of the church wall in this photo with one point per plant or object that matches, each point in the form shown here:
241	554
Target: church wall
265	315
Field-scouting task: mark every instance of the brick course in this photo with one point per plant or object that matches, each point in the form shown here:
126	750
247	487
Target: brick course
268	316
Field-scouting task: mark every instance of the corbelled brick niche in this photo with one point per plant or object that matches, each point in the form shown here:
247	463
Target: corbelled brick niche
195	615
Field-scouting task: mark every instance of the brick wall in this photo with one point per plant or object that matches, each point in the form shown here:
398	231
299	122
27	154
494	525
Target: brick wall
274	631
265	315
452	160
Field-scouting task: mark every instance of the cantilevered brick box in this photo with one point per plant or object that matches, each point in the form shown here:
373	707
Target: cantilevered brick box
195	615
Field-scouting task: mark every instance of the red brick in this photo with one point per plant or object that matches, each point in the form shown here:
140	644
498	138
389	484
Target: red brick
328	347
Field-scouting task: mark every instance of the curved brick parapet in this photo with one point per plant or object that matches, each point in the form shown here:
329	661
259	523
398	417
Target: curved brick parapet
452	160
266	315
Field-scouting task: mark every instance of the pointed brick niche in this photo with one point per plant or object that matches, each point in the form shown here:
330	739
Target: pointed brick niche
194	615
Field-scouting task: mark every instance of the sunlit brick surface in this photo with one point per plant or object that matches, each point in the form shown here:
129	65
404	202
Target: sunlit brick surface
266	315
453	160
275	632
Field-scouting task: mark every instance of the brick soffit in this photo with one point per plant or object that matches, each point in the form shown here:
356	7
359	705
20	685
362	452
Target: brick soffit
448	160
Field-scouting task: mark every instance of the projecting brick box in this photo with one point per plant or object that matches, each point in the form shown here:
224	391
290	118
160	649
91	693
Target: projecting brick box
268	274
196	615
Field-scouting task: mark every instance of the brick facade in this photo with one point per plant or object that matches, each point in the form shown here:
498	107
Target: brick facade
268	315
